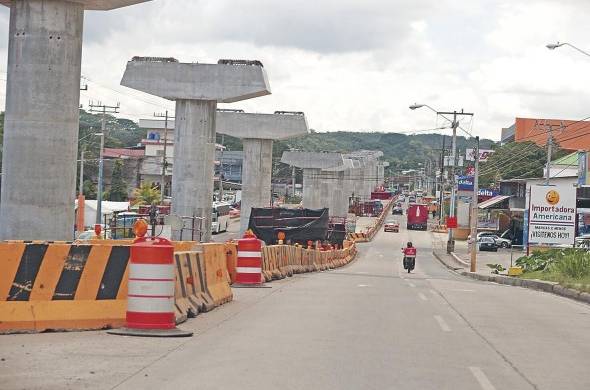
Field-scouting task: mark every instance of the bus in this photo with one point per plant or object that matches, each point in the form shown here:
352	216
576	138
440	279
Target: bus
220	217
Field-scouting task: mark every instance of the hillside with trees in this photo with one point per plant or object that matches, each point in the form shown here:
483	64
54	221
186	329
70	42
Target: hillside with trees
402	151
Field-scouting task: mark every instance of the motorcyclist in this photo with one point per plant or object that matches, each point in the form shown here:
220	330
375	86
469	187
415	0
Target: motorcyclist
409	257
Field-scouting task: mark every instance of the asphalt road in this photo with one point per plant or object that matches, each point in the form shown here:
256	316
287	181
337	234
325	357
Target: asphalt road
365	326
233	232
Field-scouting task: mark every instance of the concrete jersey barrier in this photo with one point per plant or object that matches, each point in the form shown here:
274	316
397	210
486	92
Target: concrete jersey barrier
62	286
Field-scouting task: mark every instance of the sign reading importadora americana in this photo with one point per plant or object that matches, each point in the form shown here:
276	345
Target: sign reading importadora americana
552	217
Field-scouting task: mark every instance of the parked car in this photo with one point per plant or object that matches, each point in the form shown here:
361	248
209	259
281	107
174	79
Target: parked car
412	199
391	226
502	242
483	234
397	210
487	244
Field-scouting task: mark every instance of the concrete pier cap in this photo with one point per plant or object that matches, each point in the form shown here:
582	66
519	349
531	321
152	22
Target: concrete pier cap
227	81
98	5
196	88
278	126
313	160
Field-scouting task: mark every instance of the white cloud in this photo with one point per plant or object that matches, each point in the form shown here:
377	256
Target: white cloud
354	65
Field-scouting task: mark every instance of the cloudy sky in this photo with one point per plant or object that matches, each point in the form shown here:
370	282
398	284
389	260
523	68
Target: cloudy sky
357	65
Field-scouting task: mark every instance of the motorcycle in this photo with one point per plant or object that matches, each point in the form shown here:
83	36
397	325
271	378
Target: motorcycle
409	259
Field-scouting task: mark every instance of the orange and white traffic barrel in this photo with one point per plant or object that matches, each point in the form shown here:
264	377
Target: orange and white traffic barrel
150	297
249	265
150	294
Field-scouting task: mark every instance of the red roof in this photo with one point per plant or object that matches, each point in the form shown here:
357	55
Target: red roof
123	153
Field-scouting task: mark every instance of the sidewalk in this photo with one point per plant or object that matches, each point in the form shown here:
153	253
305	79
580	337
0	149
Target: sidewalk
502	257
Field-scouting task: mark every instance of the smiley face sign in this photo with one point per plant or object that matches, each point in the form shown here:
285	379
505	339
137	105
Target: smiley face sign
552	197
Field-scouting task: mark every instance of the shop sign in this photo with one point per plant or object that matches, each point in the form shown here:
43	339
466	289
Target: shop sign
552	214
465	183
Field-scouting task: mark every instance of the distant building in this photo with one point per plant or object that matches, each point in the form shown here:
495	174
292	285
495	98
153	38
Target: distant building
227	162
507	134
132	161
568	134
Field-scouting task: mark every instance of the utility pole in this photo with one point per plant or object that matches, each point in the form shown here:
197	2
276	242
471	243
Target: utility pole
442	182
81	184
474	210
164	156
549	150
455	125
104	110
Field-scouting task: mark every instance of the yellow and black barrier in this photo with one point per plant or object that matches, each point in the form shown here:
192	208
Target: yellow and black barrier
62	286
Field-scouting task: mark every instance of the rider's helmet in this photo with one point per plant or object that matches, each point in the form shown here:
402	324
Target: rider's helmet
409	244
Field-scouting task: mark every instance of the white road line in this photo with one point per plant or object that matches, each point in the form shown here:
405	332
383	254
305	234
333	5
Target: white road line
462	290
433	292
442	323
363	285
483	380
361	272
422	296
411	284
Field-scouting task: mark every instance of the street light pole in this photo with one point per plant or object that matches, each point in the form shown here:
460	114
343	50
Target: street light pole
455	125
553	46
451	241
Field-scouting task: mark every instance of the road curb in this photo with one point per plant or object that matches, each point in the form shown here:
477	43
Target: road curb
533	284
458	259
445	263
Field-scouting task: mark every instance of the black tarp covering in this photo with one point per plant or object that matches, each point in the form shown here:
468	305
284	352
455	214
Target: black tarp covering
299	225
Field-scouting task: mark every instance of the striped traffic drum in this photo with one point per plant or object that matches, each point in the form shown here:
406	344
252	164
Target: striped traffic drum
249	264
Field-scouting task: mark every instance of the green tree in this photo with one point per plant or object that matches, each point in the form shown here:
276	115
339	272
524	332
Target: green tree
89	189
515	160
146	194
118	192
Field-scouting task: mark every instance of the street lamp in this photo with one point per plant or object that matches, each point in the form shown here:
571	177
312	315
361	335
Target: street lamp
100	179
553	46
454	125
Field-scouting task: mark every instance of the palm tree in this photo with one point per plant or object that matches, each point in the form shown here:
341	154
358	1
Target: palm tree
147	193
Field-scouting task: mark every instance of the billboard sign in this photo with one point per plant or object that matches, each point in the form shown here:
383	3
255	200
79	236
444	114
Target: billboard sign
552	214
484	154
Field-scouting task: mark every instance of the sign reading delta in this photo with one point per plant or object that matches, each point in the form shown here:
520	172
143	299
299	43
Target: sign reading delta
552	215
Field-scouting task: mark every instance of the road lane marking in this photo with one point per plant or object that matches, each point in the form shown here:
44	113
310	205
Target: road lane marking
411	284
363	285
361	272
422	296
442	323
481	378
462	290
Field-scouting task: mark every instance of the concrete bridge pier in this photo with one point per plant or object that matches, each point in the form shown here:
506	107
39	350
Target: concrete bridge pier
41	119
257	132
196	88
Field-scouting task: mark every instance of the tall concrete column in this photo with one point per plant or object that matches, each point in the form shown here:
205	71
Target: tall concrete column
197	88
256	177
257	132
312	188
192	177
41	120
318	176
